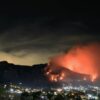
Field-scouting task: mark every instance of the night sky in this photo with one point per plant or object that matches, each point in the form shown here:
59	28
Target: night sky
30	34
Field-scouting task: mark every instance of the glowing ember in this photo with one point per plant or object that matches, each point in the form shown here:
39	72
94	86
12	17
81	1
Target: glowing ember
83	59
55	75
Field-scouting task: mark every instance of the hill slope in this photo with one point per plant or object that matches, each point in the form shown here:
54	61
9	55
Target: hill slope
31	75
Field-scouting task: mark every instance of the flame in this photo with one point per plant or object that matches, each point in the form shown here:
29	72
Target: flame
83	59
93	78
55	75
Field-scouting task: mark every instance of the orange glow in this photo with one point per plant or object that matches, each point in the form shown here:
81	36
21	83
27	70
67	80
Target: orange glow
53	76
84	78
93	77
61	78
83	59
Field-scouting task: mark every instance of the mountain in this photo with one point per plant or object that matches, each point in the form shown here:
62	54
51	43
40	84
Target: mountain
33	76
66	76
28	75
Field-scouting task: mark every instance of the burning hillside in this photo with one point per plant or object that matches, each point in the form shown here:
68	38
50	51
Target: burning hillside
82	59
61	74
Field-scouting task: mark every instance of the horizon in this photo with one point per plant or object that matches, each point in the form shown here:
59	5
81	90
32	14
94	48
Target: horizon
34	35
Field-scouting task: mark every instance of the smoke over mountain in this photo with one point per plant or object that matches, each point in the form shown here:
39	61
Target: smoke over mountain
83	59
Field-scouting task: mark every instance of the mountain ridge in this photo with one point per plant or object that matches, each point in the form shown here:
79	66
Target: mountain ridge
33	76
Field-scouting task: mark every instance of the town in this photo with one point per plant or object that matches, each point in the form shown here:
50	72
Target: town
18	92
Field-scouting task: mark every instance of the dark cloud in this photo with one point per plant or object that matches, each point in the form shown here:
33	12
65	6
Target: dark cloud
34	39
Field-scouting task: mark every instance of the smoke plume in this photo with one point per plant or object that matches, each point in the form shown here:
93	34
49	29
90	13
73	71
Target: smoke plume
83	59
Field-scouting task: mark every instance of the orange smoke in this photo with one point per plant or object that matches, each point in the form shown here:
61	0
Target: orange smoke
83	59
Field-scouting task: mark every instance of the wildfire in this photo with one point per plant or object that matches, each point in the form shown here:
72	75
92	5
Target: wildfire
93	78
83	59
55	76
